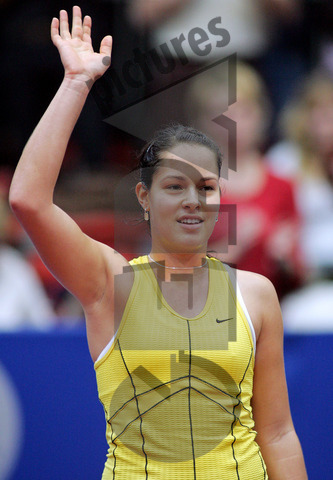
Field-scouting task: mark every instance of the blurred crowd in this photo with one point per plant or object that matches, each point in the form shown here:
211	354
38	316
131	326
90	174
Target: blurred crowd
280	133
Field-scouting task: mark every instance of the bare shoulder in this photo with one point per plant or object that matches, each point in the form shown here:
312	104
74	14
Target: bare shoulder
115	262
260	298
255	285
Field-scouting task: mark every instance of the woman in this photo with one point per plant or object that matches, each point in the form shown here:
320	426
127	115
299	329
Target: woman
168	351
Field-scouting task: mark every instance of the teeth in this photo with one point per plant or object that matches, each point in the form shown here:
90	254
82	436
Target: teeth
190	221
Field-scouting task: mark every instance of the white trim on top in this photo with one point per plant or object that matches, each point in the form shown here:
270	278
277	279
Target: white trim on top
248	318
107	348
240	298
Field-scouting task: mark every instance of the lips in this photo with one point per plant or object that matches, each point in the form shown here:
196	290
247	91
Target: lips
190	220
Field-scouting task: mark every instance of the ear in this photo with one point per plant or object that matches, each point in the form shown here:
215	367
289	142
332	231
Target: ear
142	194
222	186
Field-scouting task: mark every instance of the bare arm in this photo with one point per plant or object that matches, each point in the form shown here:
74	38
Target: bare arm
81	264
276	434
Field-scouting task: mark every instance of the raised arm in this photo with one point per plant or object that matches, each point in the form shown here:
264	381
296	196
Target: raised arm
81	264
276	434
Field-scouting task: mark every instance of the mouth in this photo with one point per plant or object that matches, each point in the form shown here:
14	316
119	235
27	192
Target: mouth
190	220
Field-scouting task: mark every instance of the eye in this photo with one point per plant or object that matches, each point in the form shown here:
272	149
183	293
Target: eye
207	188
174	187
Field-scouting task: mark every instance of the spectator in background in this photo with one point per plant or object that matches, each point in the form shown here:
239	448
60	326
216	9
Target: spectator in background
267	33
267	221
306	156
248	22
23	302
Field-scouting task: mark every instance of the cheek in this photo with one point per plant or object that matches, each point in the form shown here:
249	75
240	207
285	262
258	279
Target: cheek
162	208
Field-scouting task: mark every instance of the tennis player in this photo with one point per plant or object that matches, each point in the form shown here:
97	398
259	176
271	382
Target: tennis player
187	351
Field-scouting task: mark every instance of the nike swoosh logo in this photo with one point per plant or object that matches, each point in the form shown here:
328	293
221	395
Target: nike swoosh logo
225	320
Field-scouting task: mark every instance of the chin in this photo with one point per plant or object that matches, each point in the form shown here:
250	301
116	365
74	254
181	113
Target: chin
189	246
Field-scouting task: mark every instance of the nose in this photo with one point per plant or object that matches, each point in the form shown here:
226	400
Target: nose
191	199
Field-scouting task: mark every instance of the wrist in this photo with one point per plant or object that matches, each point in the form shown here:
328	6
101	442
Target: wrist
81	86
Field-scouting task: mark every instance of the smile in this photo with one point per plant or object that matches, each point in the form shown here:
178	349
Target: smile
190	221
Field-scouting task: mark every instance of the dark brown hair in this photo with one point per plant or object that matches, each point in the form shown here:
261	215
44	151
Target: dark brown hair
166	138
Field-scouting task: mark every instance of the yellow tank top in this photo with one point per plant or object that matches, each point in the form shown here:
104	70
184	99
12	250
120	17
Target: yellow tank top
176	391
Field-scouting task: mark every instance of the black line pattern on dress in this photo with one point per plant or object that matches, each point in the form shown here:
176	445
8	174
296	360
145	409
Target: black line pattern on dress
189	396
115	446
189	376
222	391
262	463
148	409
137	405
239	402
144	393
235	418
222	407
113	454
162	384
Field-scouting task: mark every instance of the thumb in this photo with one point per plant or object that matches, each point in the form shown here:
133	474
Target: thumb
105	49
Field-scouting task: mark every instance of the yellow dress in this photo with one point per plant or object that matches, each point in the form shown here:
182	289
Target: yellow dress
176	391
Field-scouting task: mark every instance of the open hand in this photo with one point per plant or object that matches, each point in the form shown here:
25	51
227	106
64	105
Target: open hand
75	48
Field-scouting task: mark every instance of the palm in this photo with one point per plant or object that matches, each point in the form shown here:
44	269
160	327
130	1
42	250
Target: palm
75	48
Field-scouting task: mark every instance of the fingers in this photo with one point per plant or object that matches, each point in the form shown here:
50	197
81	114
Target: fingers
77	23
78	30
64	29
87	28
55	30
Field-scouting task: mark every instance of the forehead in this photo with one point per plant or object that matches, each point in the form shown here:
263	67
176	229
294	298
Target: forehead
194	161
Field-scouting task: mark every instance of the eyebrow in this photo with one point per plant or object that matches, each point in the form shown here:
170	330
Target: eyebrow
179	165
182	177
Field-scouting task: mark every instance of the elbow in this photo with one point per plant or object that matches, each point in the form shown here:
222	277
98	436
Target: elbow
21	204
17	202
27	202
276	434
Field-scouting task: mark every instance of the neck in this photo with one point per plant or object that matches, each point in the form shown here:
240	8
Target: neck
179	261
